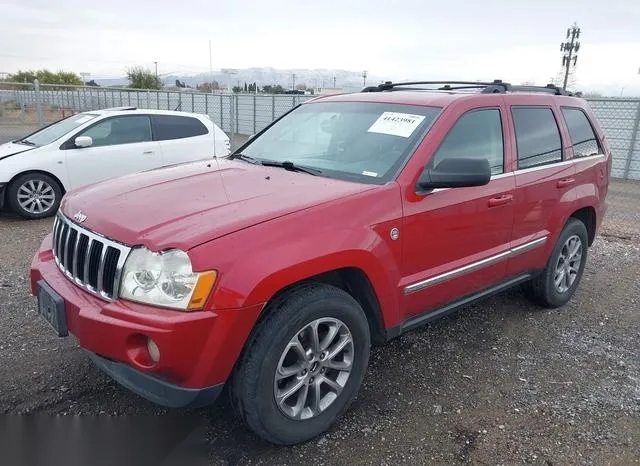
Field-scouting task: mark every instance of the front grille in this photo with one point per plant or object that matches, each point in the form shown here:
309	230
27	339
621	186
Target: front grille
90	260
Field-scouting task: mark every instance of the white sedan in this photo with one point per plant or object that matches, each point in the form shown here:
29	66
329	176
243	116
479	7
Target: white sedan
93	146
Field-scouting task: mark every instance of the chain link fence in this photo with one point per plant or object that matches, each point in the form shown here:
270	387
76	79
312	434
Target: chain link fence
26	107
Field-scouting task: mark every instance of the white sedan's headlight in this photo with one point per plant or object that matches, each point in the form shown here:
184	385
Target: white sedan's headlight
165	279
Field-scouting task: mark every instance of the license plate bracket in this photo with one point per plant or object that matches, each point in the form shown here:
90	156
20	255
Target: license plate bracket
51	308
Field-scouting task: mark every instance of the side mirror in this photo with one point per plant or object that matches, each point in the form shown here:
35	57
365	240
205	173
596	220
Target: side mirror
83	141
456	173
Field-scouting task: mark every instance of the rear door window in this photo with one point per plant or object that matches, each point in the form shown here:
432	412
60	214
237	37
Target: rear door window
537	136
583	139
168	127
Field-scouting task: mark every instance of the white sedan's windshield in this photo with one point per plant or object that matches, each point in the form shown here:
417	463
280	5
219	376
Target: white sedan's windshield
354	140
57	130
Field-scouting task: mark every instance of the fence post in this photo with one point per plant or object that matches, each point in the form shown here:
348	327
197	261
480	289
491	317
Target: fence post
236	98
632	144
221	114
206	104
273	107
193	102
254	114
232	120
36	85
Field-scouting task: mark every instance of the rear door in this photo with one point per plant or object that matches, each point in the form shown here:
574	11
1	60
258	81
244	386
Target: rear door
182	138
545	180
121	145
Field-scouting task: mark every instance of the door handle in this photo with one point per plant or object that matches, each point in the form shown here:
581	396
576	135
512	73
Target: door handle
500	200
565	182
147	152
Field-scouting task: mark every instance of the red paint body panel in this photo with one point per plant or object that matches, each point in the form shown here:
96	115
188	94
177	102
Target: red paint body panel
264	229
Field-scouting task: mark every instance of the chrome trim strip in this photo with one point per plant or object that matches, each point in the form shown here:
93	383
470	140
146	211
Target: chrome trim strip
455	273
544	167
528	246
589	157
103	255
74	262
87	256
422	284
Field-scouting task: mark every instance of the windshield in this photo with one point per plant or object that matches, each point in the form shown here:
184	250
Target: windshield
55	131
349	140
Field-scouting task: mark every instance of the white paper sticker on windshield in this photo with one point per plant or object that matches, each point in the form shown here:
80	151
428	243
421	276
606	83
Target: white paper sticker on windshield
84	119
396	124
366	173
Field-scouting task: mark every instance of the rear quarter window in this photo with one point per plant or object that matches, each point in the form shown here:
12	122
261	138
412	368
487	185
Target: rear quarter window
583	138
168	127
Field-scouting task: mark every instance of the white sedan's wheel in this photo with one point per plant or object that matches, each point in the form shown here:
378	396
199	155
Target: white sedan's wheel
34	195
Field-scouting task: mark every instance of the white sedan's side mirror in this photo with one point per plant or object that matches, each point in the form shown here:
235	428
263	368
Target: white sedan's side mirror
83	141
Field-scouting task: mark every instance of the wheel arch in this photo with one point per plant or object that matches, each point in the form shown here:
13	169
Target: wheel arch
587	215
42	172
6	201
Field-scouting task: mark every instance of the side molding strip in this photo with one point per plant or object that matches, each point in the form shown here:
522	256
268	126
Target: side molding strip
421	285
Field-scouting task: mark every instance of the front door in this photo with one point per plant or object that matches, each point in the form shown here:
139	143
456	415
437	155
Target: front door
120	145
456	240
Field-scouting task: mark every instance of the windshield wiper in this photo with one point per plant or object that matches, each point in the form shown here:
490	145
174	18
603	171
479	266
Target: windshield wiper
288	165
25	142
246	158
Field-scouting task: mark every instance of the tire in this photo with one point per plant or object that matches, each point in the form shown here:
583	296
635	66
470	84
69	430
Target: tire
254	388
543	289
48	194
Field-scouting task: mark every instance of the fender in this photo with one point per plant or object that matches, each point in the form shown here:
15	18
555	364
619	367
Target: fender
256	263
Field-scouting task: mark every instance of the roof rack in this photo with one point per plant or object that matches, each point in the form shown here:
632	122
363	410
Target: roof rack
119	109
496	86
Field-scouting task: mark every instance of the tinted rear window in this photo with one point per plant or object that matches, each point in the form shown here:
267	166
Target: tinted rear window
177	127
583	139
537	136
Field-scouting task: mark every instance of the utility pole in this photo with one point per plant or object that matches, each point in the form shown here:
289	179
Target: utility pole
156	63
293	81
364	78
334	82
570	51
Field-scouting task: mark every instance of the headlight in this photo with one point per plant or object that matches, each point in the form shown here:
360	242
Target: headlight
165	279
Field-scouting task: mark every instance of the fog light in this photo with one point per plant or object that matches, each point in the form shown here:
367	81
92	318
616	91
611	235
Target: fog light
154	351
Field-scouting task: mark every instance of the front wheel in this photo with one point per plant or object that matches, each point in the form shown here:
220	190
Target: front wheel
555	286
303	365
34	195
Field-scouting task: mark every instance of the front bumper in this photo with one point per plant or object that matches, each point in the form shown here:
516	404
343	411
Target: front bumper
197	349
155	389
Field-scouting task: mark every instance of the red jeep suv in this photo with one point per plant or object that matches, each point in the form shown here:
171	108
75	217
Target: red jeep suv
348	221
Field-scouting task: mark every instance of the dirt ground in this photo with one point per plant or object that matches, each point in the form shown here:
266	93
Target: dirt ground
500	382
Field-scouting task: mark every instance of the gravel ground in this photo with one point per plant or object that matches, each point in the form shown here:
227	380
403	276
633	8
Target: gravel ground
501	382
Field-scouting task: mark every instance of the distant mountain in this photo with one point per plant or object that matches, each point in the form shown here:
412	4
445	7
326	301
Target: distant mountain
322	78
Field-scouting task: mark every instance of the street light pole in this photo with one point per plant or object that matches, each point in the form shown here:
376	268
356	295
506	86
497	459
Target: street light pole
364	78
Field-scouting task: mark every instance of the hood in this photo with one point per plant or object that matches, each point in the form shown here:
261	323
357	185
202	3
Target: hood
189	204
9	149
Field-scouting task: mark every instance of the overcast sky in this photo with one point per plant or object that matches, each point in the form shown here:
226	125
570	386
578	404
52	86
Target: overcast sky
395	40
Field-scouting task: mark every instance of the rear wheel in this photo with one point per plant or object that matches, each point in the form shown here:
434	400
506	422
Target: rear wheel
34	195
558	281
303	366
